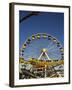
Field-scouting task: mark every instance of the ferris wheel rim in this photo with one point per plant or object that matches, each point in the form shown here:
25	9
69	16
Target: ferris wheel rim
41	34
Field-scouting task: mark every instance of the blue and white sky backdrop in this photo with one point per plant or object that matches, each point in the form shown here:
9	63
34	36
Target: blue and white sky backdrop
46	22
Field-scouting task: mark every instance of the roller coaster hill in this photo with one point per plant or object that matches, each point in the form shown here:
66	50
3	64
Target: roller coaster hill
35	68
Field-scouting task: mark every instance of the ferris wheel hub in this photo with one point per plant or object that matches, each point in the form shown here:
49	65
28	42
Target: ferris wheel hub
44	50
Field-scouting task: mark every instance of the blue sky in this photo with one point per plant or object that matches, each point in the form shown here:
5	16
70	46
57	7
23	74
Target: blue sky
46	22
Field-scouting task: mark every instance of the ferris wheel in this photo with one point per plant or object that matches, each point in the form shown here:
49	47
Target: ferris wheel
42	46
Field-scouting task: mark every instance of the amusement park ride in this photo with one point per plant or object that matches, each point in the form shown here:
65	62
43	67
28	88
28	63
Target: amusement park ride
49	63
